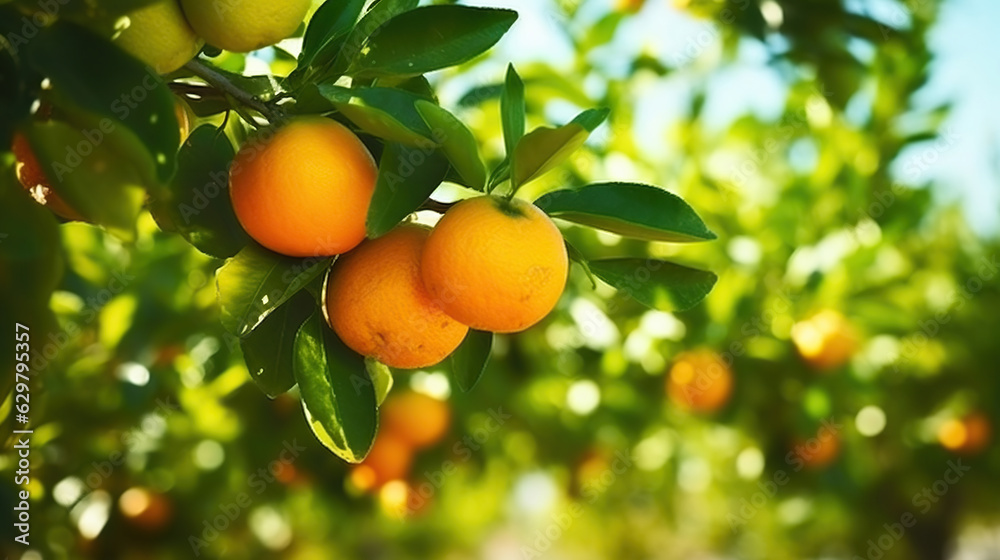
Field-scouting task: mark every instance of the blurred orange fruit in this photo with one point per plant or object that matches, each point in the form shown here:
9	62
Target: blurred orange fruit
32	176
819	451
415	418
389	459
968	435
304	191
145	509
495	264
826	340
378	306
699	380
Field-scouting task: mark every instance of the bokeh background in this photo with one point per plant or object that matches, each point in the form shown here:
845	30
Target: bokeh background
846	154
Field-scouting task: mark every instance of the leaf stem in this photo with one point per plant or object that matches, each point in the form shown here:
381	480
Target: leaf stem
220	82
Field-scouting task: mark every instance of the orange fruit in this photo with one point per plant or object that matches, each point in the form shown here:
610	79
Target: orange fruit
304	191
32	176
826	340
378	306
819	451
495	264
417	419
389	459
699	381
967	435
146	509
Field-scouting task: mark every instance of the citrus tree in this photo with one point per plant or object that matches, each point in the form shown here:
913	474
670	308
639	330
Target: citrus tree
282	173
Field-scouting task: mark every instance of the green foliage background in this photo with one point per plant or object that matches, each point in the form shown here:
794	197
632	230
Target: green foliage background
839	234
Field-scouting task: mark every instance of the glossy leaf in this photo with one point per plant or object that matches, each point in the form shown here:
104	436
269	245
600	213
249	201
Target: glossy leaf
430	38
389	114
342	412
98	182
629	209
544	148
98	77
468	361
381	377
457	143
512	110
327	31
269	349
256	282
196	203
657	284
406	177
371	24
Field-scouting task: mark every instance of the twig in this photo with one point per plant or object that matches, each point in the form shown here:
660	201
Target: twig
220	82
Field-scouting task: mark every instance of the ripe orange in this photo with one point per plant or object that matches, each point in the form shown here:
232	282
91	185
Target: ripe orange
415	418
496	265
967	435
700	381
378	306
389	459
826	340
305	190
32	176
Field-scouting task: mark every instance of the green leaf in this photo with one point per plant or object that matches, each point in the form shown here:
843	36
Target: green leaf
512	110
256	282
657	284
196	204
629	209
576	256
544	148
390	114
92	177
98	77
269	349
430	38
457	142
381	376
406	177
327	31
338	395
379	14
468	361
32	266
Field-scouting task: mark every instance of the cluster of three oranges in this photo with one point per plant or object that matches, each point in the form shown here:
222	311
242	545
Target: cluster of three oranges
409	297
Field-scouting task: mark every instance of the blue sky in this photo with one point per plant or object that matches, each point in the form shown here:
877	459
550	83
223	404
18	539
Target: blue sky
965	169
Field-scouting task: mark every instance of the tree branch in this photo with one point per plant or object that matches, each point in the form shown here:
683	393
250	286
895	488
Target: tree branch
221	83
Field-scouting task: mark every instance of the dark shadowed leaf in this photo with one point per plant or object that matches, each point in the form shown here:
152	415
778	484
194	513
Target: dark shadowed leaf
256	282
371	24
269	349
406	177
338	394
98	77
430	38
657	284
629	209
327	31
196	203
101	185
468	361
